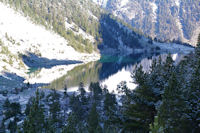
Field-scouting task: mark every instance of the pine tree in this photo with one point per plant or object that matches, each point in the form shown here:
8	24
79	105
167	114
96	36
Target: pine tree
96	91
156	79
111	119
168	67
11	109
65	90
54	109
12	126
93	119
82	92
72	123
28	105
198	41
35	121
197	49
194	98
75	107
2	127
139	110
171	112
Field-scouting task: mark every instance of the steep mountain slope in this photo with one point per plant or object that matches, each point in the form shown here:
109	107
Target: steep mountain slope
20	37
50	35
165	20
78	21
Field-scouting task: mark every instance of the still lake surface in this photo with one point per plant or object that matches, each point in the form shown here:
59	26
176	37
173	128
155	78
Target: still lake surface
109	71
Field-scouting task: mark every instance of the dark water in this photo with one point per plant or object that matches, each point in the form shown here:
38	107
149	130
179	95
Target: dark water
109	71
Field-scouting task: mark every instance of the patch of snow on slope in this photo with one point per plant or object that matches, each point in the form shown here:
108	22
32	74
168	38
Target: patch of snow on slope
177	2
124	2
102	3
28	34
91	14
154	9
174	48
174	56
29	37
79	31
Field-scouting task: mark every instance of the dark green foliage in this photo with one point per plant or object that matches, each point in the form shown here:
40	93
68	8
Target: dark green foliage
2	127
110	27
35	121
28	105
111	121
139	109
54	108
71	124
12	126
171	113
11	109
96	90
65	90
198	41
82	91
93	120
75	105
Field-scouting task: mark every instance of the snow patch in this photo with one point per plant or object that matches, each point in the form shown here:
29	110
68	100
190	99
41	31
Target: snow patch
174	48
102	3
174	56
124	2
177	2
154	9
79	31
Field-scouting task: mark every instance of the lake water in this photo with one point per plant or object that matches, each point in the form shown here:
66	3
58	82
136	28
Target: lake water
109	71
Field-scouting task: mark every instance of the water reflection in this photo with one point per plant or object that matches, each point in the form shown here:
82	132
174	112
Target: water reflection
109	71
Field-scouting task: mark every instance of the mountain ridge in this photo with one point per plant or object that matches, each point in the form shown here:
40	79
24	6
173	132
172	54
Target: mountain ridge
173	20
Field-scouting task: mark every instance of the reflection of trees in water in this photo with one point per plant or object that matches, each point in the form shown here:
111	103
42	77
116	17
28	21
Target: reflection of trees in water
84	73
34	72
101	70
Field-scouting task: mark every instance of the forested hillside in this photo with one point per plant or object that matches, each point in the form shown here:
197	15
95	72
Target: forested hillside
56	15
79	22
167	20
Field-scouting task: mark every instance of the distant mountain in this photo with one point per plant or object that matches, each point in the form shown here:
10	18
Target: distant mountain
165	20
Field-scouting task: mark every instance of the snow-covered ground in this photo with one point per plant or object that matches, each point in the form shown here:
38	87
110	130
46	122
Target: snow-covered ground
124	2
20	35
174	48
177	2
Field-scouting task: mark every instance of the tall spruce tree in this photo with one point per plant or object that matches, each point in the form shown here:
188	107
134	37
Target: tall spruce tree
194	98
171	113
72	123
35	121
198	41
110	110
93	119
139	111
54	109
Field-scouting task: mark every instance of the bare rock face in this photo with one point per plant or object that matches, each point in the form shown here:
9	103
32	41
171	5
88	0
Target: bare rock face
165	20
